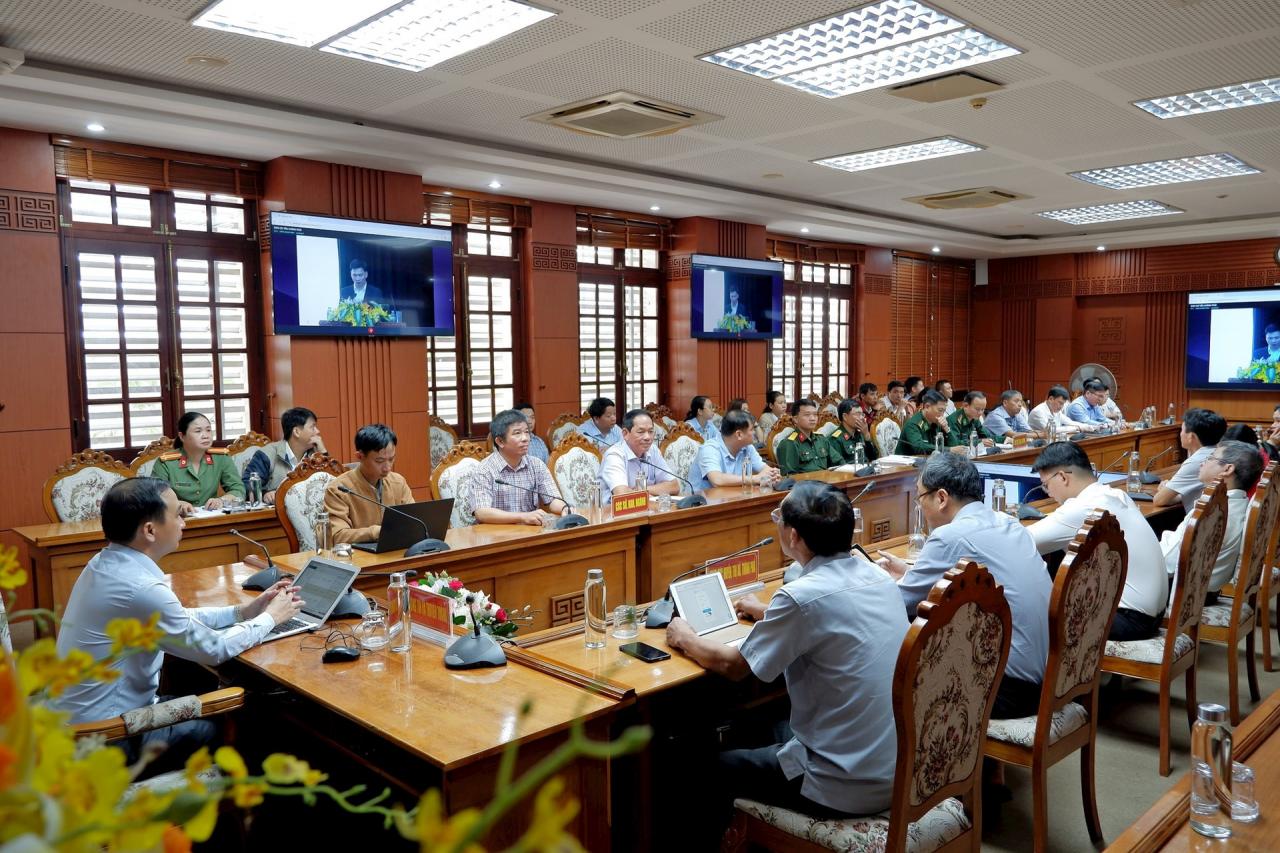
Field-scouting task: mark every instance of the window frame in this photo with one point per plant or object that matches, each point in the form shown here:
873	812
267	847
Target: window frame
622	276
799	286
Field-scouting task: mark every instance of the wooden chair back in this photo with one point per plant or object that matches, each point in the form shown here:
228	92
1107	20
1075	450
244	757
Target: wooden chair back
782	428
1200	546
1259	542
562	426
244	447
300	498
662	415
1086	593
75	490
575	464
146	460
885	431
680	447
441	438
449	479
943	689
827	423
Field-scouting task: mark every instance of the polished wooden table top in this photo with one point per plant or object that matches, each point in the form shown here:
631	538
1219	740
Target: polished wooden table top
447	717
64	532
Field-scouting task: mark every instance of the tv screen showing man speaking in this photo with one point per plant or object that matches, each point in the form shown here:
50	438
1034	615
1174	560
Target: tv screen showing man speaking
1233	340
735	298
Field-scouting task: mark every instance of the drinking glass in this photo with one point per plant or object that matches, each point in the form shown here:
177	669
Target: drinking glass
1244	803
626	622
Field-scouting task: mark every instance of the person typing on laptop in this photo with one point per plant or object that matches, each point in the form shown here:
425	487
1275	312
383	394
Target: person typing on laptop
834	632
355	520
141	522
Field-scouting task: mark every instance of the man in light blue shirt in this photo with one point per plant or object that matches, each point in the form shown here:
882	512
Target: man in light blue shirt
719	462
1008	417
537	447
835	633
140	519
963	528
622	462
602	426
1087	408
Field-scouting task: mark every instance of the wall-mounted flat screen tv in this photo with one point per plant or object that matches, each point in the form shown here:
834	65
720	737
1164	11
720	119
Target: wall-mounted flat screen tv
736	299
1233	340
351	277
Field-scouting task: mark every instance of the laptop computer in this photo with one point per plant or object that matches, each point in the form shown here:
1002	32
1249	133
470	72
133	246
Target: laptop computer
321	583
398	532
705	604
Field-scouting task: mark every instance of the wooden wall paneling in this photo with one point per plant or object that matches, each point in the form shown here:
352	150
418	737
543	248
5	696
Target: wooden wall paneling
1053	357
26	161
1213	257
1017	345
33	397
1165	344
551	311
910	304
1117	264
31	281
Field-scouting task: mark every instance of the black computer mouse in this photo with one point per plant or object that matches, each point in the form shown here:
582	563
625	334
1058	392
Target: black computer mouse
340	654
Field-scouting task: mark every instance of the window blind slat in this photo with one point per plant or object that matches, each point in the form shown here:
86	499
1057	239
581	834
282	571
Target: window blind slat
182	171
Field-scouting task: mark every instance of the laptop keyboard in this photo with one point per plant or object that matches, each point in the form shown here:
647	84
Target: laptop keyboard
288	626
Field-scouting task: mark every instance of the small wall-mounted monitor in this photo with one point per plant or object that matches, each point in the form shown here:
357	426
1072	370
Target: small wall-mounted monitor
736	299
1233	340
351	277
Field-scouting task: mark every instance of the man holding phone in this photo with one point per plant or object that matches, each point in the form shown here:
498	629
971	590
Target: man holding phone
834	632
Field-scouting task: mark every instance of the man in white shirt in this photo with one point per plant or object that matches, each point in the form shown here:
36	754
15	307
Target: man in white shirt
835	633
943	387
963	528
1111	409
140	519
622	462
1054	408
1202	429
602	425
1240	466
1068	478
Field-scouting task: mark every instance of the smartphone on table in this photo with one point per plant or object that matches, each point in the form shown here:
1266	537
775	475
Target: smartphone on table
644	652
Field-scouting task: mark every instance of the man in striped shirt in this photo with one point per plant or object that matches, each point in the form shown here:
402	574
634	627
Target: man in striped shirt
528	493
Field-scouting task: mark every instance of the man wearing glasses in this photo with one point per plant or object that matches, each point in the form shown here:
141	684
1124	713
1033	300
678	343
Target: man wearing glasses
1068	478
1087	408
961	526
510	461
1240	466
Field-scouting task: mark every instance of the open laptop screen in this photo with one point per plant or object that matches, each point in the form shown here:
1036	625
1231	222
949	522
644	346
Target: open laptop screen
320	585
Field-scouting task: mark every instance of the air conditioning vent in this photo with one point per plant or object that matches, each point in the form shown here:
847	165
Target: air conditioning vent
962	199
623	115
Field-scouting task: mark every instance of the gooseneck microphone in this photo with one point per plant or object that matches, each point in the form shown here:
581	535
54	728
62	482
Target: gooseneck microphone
1146	477
564	522
868	487
689	500
661	611
1115	464
426	545
264	578
1026	510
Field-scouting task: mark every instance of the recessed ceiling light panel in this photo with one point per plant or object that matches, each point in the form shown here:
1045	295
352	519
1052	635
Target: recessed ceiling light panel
423	33
1110	212
300	22
1211	100
1159	172
927	149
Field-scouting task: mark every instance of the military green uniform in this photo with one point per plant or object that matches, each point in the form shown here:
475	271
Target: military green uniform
842	442
797	455
196	488
962	428
918	436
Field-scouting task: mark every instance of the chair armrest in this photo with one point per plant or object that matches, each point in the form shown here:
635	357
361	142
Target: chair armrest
164	714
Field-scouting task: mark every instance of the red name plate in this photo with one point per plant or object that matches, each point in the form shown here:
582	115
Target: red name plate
630	503
431	610
741	570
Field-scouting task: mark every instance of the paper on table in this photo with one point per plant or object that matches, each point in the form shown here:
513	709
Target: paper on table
205	513
896	459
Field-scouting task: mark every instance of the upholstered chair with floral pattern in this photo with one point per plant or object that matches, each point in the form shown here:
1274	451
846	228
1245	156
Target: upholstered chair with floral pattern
680	449
1175	648
450	479
243	449
77	487
943	689
1086	592
300	499
886	432
146	460
440	438
575	464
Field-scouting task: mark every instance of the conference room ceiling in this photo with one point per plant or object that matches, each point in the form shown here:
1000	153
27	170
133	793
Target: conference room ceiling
1065	105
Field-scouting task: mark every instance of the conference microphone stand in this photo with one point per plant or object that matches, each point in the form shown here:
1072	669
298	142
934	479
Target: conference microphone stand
264	578
690	500
1026	510
426	545
564	522
661	611
1146	477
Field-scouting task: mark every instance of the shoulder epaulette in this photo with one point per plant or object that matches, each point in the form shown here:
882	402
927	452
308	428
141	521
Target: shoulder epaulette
795	435
838	434
221	450
170	456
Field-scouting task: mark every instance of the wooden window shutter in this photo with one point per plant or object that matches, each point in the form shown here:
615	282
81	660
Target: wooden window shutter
618	233
157	169
461	210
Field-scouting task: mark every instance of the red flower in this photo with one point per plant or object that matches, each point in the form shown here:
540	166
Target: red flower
502	615
455	584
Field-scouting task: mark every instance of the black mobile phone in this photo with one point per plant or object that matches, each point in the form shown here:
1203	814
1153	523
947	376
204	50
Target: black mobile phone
644	652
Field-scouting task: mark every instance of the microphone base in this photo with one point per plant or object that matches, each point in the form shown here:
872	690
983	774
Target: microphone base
660	614
1148	479
1026	511
352	604
785	484
426	546
259	581
869	471
472	652
565	522
1168	422
691	501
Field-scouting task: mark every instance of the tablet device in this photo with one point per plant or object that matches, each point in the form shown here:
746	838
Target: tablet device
704	603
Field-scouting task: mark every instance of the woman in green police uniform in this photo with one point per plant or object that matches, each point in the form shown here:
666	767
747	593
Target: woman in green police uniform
195	468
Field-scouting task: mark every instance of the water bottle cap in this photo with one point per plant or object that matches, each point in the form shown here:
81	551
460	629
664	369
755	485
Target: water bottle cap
397	578
595	574
1211	712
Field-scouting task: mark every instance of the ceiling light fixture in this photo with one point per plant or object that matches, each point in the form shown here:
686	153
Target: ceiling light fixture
1110	212
1102	248
936	249
495	184
879	44
95	127
301	22
205	61
1160	172
804	230
1211	100
423	33
910	152
655	208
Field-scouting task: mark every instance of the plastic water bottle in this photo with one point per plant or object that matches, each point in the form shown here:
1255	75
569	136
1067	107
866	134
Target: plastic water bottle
1211	772
916	539
998	502
746	476
595	608
1053	428
938	443
1134	483
399	628
255	490
1173	418
859	456
322	534
975	443
642	482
